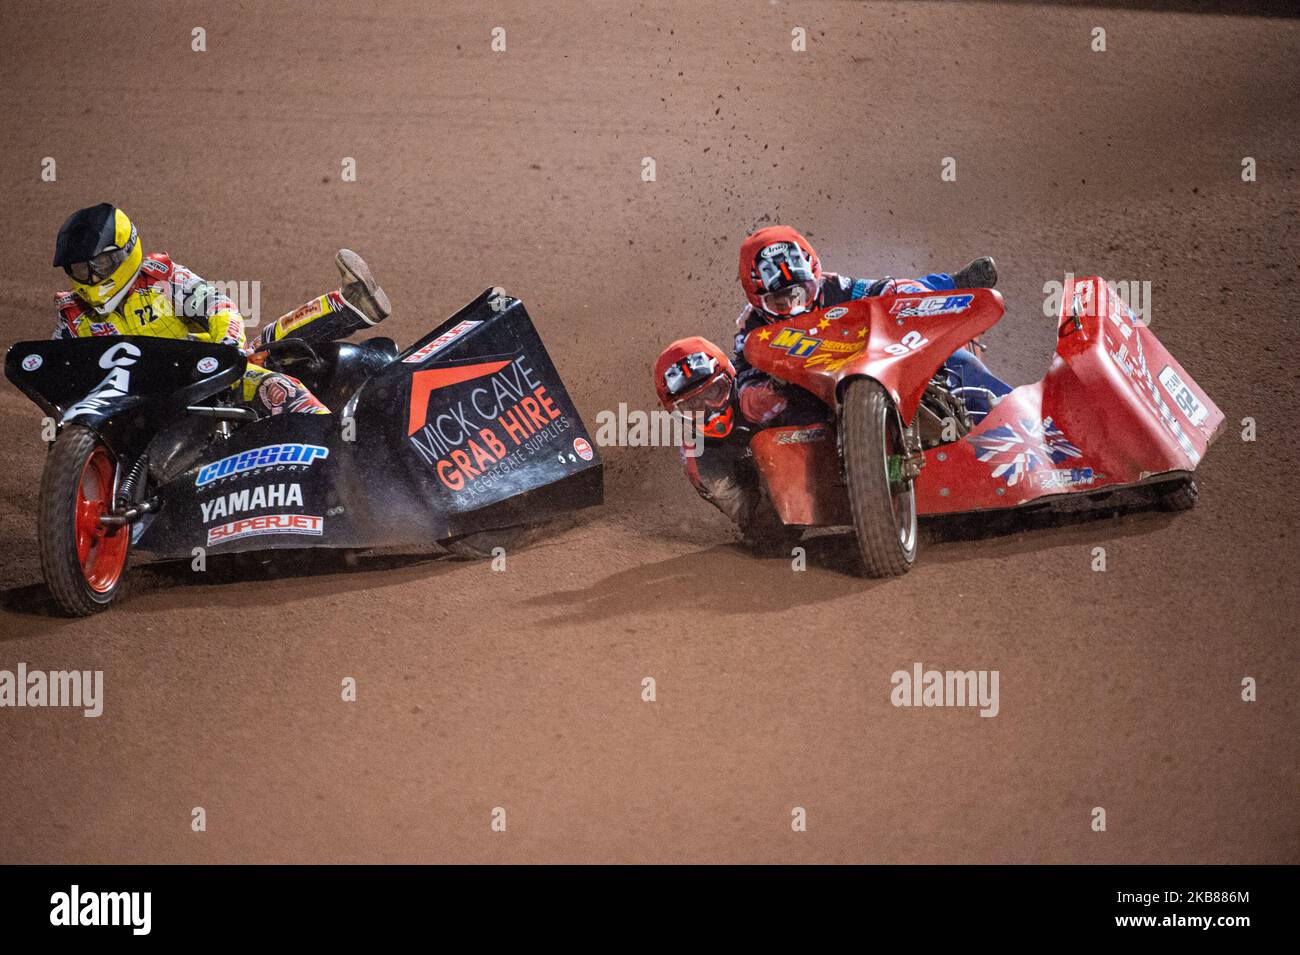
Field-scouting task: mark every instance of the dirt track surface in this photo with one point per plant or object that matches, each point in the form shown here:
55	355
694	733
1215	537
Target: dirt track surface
522	689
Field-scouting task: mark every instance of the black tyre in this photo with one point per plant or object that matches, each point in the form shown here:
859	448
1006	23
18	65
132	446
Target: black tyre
82	560
884	510
1177	495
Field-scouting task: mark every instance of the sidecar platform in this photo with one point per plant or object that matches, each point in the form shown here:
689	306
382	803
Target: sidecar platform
1115	409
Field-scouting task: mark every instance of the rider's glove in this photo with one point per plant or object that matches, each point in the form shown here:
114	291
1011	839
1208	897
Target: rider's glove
761	401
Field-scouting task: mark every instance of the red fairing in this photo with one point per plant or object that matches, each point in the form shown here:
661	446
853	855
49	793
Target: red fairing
899	340
1115	408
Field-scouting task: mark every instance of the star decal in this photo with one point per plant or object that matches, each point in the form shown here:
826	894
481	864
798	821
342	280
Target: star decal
824	323
764	335
862	333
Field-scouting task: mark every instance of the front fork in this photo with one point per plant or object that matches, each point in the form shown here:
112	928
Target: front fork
907	465
129	504
904	466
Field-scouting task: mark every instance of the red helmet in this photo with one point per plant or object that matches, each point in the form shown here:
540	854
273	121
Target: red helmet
780	271
693	375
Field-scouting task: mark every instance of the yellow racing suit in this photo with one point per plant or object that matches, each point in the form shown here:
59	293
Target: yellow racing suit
168	300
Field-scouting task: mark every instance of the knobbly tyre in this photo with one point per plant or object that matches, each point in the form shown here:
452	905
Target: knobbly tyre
460	439
1114	411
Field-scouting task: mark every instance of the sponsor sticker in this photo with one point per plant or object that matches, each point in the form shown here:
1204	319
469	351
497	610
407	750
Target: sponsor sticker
439	343
1066	478
300	455
300	316
251	499
1183	396
32	362
207	365
583	447
473	423
1017	448
795	343
802	436
774	250
838	311
118	359
931	305
308	524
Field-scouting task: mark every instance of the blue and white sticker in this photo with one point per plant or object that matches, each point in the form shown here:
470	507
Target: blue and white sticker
271	455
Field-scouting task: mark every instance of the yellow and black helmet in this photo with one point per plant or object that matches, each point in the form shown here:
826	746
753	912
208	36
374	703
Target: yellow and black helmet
99	249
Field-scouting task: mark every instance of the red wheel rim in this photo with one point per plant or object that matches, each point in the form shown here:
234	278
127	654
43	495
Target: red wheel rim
101	550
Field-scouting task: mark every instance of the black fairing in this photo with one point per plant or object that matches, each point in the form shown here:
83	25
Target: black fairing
342	369
470	428
125	388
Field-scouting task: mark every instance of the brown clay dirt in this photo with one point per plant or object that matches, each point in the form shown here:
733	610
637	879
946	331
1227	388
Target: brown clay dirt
522	689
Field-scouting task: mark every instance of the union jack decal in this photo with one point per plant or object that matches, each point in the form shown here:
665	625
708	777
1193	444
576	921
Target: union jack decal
1017	448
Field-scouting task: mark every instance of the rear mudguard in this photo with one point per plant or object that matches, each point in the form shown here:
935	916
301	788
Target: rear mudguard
1114	409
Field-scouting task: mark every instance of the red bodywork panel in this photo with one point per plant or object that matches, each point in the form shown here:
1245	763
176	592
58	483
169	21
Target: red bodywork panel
899	340
801	467
1114	408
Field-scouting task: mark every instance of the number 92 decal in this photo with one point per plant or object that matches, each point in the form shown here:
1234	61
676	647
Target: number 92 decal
909	343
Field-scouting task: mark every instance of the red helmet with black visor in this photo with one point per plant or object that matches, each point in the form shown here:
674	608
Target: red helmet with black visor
694	377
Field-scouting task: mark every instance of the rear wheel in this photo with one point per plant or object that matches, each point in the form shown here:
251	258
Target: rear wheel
883	501
82	560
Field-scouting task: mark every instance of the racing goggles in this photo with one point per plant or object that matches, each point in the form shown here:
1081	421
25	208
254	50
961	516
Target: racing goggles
710	399
710	405
793	299
101	266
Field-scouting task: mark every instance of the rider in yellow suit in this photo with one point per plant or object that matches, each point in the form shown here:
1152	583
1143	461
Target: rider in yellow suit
118	290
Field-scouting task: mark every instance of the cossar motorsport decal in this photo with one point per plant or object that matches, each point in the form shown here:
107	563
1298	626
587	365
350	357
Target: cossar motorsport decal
254	458
309	524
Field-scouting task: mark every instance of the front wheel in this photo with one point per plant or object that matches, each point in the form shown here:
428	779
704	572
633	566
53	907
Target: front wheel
882	498
81	558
